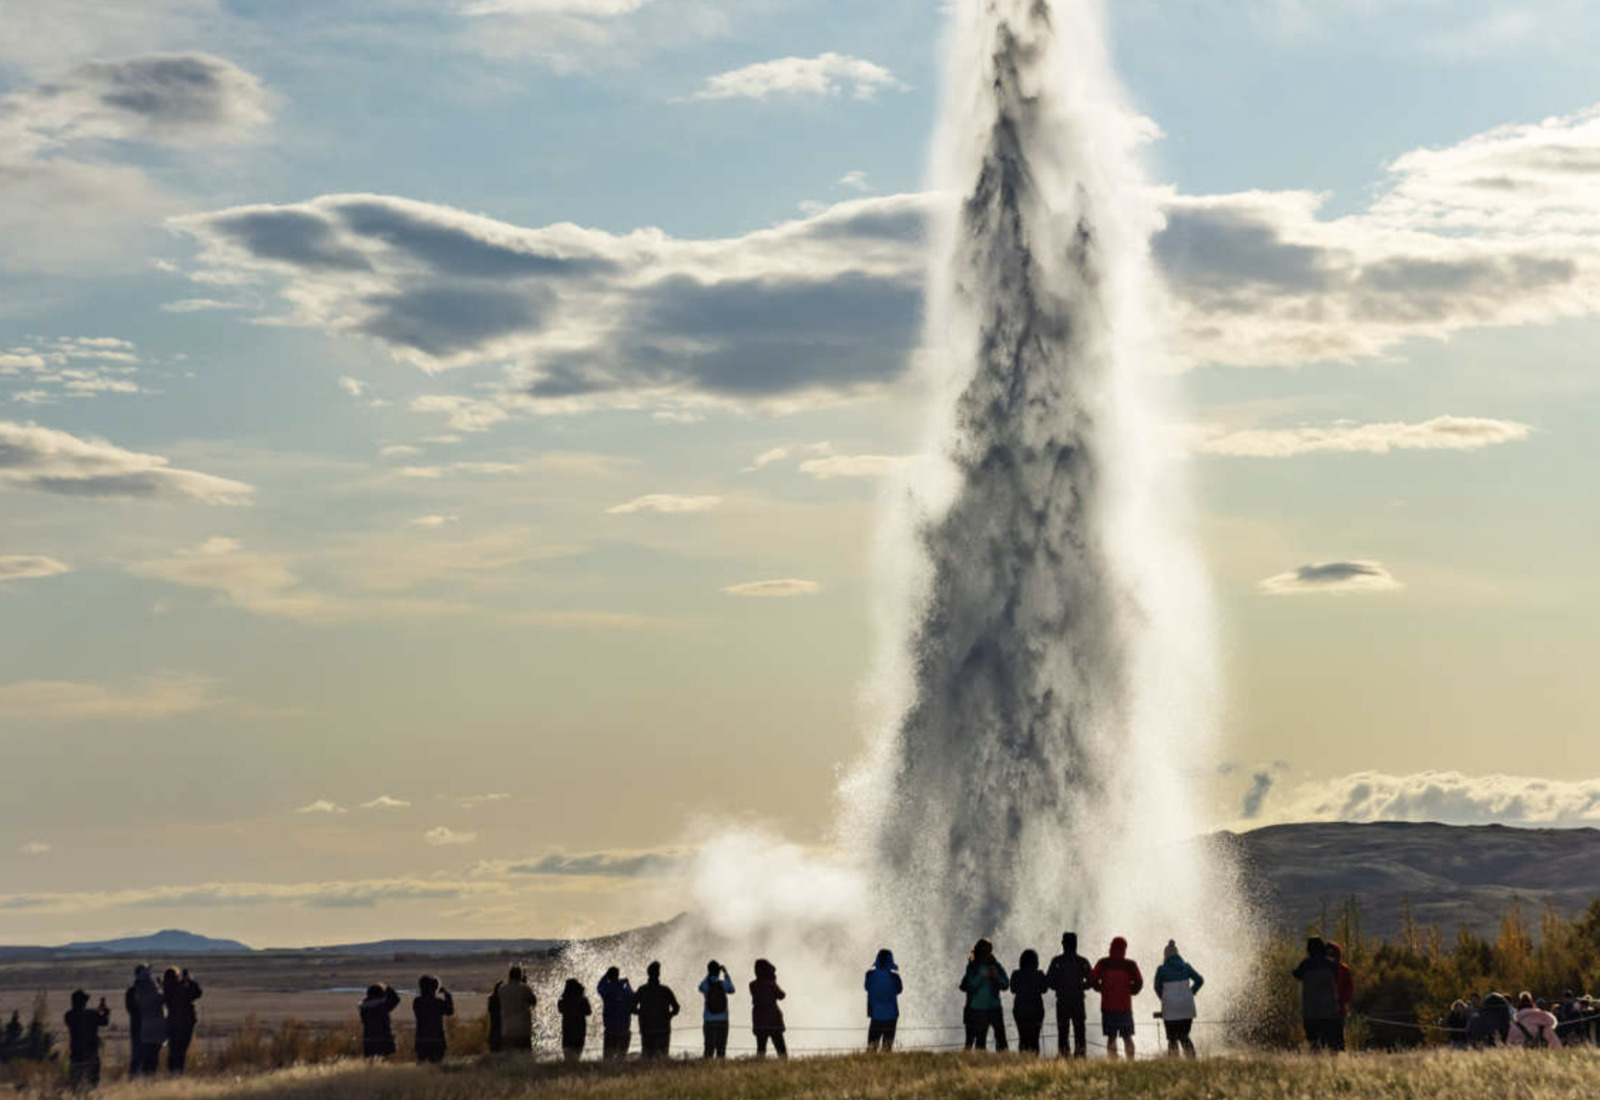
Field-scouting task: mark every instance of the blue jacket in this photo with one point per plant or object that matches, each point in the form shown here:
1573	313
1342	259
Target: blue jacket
883	987
616	1001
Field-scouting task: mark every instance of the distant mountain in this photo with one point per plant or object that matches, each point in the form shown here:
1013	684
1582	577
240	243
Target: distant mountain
437	948
1452	875
171	941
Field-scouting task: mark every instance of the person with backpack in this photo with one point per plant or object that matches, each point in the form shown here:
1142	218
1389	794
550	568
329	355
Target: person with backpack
429	1007
1533	1028
83	1032
983	982
574	1010
377	1032
766	1015
1118	981
517	1002
656	1006
1318	976
883	986
1028	987
1176	983
616	1014
180	992
1068	976
716	987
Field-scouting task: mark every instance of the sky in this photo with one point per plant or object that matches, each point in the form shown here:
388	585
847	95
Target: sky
441	441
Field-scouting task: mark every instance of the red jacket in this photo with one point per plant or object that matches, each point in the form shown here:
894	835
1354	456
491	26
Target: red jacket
1344	980
1117	979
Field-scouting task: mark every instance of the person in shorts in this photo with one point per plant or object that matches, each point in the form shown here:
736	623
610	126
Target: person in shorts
1118	981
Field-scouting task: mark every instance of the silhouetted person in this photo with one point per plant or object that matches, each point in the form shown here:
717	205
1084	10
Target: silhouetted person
152	1020
1118	981
377	1032
517	1002
716	987
573	1008
1344	988
13	1033
1491	1023
655	1005
1029	984
180	991
1176	983
766	1015
883	986
983	983
130	1002
1456	1024
616	1014
496	1042
1068	977
1533	1028
83	1031
1318	976
429	1007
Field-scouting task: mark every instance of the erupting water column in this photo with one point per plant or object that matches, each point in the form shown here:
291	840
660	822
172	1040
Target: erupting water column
1052	712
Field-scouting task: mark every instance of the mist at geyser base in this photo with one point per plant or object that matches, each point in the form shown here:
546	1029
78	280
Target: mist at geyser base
1046	681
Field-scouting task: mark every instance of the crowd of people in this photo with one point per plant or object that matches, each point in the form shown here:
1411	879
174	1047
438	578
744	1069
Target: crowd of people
161	1012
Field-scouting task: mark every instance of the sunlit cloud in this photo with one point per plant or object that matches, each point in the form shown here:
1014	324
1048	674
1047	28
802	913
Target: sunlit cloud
321	806
1443	433
774	589
665	504
828	74
1332	578
44	460
23	567
1445	796
443	837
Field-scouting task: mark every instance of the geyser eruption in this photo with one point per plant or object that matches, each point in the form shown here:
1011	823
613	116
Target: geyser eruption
1047	679
1053	700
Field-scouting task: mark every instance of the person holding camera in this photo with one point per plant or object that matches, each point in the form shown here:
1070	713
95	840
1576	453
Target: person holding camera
716	988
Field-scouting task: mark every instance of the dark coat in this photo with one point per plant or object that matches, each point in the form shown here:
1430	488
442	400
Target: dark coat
430	1012
616	1004
655	1005
1068	976
765	1013
181	994
377	1035
1318	976
1028	988
83	1026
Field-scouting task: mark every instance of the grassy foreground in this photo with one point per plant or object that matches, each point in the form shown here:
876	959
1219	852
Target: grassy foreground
1504	1075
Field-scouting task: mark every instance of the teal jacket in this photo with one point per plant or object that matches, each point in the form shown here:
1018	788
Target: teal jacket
982	985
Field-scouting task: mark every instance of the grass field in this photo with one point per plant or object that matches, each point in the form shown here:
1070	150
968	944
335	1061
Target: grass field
1503	1075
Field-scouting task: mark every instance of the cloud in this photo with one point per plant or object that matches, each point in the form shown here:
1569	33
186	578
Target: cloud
1443	433
775	589
359	894
851	466
65	206
399	450
779	454
139	700
625	864
198	305
21	567
385	802
433	521
807	313
352	386
34	848
443	837
470	801
1445	796
569	35
856	181
1260	786
666	504
60	368
49	461
167	99
828	74
1334	578
321	806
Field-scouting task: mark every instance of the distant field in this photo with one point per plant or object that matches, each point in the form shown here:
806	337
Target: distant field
1445	1076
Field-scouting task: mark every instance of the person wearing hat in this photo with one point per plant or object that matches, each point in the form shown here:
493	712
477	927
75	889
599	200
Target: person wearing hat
1176	983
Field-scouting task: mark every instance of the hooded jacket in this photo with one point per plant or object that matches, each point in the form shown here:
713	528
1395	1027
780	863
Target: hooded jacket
152	1009
616	1004
429	1010
1176	983
83	1027
765	993
655	1005
377	1035
1069	975
1117	979
883	986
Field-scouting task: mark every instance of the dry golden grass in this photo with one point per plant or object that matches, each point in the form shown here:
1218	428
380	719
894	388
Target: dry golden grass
1504	1075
